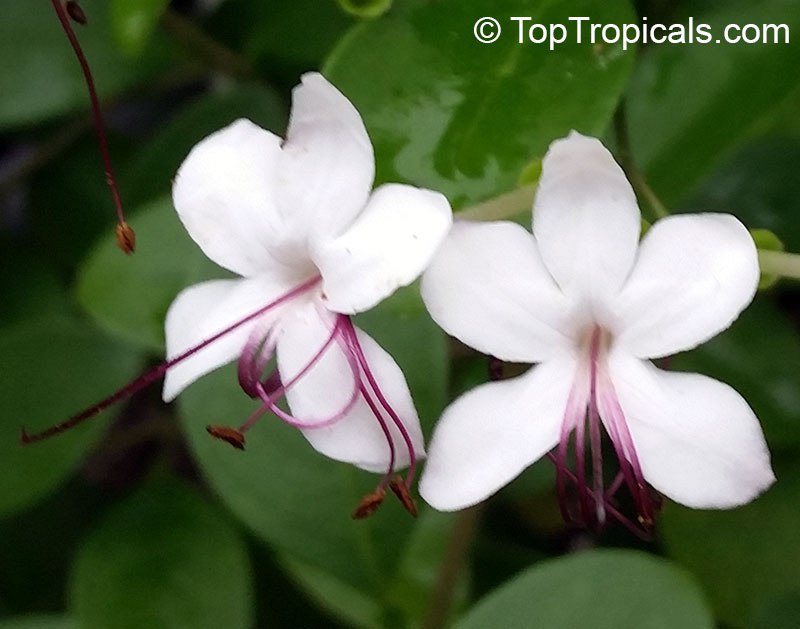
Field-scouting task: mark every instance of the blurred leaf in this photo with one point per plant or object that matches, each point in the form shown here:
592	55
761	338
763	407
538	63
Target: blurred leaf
164	558
298	500
129	296
759	356
29	287
149	173
744	557
690	105
602	588
51	369
365	8
758	184
782	612
38	621
346	602
133	22
44	79
469	128
288	494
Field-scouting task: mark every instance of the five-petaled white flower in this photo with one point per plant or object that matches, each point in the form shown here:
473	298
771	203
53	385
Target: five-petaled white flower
296	220
592	306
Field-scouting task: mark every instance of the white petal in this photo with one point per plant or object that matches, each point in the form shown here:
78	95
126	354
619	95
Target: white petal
488	287
490	434
693	276
585	218
327	165
224	193
201	311
697	440
357	438
388	246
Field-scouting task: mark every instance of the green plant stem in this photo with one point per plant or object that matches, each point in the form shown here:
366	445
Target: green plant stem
455	554
501	207
779	263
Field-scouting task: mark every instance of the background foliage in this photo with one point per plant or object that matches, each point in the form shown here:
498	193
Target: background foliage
139	519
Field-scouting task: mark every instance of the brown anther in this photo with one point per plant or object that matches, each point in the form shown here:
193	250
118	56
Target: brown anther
76	12
226	433
126	238
400	489
369	504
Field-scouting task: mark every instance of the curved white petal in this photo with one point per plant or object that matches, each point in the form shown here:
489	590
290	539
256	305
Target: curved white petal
388	246
357	438
327	165
493	432
488	287
697	440
224	193
585	219
693	276
201	311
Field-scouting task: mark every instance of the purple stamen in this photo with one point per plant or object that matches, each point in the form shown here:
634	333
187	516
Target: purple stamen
602	402
352	338
158	372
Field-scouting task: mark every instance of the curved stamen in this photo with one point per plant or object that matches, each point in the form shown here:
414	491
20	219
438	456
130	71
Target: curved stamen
158	372
352	338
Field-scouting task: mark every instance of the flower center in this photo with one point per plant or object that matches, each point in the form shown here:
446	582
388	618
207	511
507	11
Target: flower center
593	406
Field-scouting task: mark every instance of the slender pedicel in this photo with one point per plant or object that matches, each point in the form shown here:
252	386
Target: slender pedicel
159	371
126	237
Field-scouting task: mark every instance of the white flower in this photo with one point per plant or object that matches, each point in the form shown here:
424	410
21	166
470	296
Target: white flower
298	221
589	303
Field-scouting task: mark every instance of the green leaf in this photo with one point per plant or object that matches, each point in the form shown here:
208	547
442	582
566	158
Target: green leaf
163	558
759	185
744	557
44	79
294	498
287	494
365	8
133	22
762	366
690	105
465	118
38	621
129	296
150	172
52	368
598	589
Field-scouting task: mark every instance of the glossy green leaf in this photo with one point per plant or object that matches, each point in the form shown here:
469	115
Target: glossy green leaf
129	296
690	105
447	112
133	22
163	559
759	356
44	78
599	589
38	621
149	173
51	369
294	498
746	557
